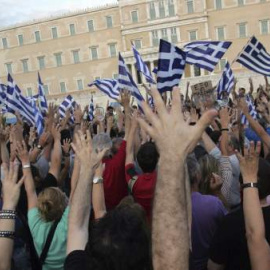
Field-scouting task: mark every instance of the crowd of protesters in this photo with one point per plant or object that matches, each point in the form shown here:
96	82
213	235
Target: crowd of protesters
178	186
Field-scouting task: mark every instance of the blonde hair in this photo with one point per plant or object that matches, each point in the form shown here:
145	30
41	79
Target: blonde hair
52	203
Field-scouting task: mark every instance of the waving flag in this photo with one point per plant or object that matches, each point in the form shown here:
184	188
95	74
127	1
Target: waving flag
255	57
226	82
91	109
38	120
251	109
68	104
142	67
155	70
206	54
108	86
43	106
171	65
3	93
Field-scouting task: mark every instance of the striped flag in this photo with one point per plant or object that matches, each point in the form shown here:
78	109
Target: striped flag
155	70
142	67
171	65
226	82
251	109
206	54
108	86
68	104
43	106
91	109
38	120
3	93
32	100
255	57
126	81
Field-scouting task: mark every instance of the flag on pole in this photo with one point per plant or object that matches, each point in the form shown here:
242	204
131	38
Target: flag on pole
91	109
68	104
108	86
38	120
43	106
226	82
171	65
142	67
255	57
251	109
206	54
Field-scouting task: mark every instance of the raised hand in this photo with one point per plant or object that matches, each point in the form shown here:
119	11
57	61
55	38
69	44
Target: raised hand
44	139
125	98
78	114
225	117
22	152
66	146
56	132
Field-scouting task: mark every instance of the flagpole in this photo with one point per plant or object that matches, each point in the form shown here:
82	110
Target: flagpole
235	59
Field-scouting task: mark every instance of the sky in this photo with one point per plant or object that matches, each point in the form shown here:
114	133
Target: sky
18	11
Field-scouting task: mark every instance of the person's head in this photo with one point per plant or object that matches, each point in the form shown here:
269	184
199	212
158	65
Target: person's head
242	91
120	240
210	179
102	141
233	144
147	157
110	110
116	143
52	203
194	170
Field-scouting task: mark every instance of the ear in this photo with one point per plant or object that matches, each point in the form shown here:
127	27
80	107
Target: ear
215	182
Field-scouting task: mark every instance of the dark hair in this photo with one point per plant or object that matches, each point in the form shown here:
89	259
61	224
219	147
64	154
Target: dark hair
147	157
215	135
109	108
120	241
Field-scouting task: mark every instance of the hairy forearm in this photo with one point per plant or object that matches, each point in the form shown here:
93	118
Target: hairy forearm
98	200
4	152
127	119
209	145
34	154
170	249
224	143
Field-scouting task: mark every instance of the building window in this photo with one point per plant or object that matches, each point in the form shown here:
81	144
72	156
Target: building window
20	39
138	44
25	65
97	78
29	92
155	39
37	36
174	38
264	27
164	34
90	24
241	2
94	53
220	33
76	57
46	89
63	87
134	16
197	71
218	4
72	29
58	59
79	84
161	9
222	64
54	33
171	8
109	21
193	35
152	11
41	62
5	44
112	48
190	8
9	68
242	30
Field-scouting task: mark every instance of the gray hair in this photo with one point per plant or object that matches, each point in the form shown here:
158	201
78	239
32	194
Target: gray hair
193	169
102	141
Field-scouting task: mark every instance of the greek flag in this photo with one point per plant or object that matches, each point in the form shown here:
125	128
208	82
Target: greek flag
32	100
206	54
68	104
255	57
38	120
226	82
155	70
91	109
3	95
142	67
126	81
252	111
108	86
15	101
43	106
171	65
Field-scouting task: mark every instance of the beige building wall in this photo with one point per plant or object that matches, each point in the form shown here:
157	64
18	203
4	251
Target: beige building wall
132	21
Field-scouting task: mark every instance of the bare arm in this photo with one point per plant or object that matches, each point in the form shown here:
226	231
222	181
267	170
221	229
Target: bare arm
130	142
209	145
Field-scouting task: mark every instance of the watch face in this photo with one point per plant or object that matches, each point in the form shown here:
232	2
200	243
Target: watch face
97	180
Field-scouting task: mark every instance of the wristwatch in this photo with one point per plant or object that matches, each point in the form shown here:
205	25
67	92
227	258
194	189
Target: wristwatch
97	180
39	147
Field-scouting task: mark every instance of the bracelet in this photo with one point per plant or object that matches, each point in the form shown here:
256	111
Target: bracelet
192	123
26	166
224	129
250	185
7	216
7	234
8	212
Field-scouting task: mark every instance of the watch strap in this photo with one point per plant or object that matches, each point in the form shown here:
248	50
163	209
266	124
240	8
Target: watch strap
250	185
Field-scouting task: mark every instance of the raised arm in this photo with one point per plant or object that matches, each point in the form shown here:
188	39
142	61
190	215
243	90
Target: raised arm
125	101
259	250
64	172
251	86
174	139
43	141
224	114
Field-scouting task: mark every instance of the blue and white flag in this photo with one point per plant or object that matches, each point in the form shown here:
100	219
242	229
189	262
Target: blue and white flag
126	81
32	100
3	93
38	120
91	109
206	54
68	104
142	67
108	86
251	109
255	57
171	65
155	70
226	82
43	106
